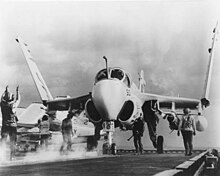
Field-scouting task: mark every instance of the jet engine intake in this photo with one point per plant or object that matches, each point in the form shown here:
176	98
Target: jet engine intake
92	112
130	112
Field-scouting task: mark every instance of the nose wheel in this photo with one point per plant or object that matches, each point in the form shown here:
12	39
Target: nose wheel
109	147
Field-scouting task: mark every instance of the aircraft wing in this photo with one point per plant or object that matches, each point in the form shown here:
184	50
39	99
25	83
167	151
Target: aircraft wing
64	104
167	101
36	75
30	116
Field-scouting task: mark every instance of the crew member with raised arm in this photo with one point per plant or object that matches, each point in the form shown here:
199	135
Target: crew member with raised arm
9	103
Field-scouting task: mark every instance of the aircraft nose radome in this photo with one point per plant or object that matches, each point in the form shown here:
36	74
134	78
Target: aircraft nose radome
109	97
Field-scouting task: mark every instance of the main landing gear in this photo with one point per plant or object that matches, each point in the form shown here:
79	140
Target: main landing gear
160	141
109	147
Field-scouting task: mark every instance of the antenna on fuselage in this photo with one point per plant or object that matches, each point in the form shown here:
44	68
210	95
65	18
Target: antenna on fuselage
106	63
142	82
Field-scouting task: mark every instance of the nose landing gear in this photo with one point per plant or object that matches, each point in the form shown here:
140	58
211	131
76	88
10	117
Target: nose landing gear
109	147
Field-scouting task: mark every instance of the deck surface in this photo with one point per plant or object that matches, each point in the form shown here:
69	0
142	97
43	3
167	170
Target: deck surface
126	164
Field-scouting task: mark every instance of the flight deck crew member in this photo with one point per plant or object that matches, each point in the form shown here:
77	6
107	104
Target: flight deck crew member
138	130
188	129
44	127
151	116
9	118
67	132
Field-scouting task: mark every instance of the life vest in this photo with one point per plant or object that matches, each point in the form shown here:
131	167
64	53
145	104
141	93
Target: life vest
138	128
67	126
187	123
9	118
8	108
44	127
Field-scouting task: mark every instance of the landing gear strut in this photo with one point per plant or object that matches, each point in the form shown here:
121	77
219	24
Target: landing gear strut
109	147
160	144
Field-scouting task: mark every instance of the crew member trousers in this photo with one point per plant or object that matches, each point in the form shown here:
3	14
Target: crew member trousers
188	141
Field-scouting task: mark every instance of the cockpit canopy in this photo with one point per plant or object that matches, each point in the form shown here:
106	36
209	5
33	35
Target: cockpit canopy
114	73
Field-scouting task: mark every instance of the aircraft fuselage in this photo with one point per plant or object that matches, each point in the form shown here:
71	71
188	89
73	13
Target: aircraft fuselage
113	98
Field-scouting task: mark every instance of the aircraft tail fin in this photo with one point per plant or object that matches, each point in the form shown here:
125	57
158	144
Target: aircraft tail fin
205	102
36	75
142	82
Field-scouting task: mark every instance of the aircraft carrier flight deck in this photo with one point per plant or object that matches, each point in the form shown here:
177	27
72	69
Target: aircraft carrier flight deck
124	163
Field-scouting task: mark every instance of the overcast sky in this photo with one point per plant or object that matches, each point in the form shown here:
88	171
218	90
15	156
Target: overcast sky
167	39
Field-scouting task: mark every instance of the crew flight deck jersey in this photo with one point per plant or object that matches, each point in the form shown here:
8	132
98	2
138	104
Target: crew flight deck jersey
187	123
44	127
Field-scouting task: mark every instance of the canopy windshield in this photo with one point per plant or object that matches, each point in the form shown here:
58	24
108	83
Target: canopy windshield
114	73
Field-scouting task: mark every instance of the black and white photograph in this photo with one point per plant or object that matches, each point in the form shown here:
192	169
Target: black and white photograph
110	88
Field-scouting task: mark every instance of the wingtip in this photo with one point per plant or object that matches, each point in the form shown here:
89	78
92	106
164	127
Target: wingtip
16	39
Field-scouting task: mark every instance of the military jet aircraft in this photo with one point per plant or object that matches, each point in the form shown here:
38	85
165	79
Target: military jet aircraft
115	101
